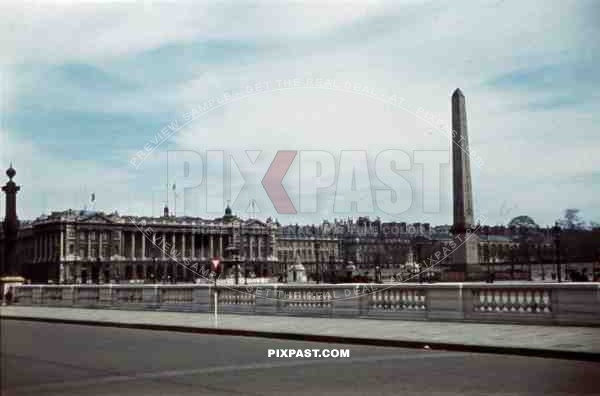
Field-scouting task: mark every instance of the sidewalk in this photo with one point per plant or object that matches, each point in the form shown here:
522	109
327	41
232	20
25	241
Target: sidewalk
545	341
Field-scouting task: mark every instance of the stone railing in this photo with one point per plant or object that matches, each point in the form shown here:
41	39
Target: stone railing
515	301
541	303
312	301
129	295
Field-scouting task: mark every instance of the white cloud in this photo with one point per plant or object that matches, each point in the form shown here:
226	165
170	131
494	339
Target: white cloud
417	51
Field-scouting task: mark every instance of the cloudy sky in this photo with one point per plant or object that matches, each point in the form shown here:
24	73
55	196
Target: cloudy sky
86	87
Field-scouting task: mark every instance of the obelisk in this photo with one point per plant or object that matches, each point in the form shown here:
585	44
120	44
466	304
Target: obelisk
466	254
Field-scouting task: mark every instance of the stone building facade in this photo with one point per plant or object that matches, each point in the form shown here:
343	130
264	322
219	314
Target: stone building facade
94	247
83	246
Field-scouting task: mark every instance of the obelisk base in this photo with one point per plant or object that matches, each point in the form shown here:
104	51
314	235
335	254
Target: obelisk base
466	257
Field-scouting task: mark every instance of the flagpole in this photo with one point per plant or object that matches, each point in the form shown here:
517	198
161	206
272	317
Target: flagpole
167	191
174	199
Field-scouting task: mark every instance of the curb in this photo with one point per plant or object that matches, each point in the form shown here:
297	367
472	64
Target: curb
502	350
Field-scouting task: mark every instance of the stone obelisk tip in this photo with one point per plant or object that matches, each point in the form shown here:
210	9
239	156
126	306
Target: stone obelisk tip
458	92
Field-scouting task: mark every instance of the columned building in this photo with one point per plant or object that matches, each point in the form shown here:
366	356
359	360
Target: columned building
93	247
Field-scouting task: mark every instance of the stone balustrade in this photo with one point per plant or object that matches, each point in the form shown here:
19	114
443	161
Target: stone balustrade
539	303
85	295
180	295
235	300
400	303
307	301
129	295
236	297
536	301
51	296
26	296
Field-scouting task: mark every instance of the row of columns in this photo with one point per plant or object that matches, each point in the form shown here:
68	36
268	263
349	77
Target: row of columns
161	242
160	239
44	246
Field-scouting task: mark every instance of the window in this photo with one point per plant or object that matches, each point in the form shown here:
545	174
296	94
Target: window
71	248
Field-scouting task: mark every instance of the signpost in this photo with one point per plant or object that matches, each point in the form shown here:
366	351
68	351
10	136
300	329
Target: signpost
215	267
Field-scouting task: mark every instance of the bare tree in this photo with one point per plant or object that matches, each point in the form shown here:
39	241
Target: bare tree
571	220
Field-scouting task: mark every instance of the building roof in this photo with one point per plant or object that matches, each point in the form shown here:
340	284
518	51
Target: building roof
91	216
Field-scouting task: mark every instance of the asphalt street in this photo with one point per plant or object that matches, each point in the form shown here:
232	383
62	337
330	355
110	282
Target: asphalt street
58	359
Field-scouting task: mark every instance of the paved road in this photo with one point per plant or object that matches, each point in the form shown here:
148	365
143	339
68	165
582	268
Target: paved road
57	359
569	339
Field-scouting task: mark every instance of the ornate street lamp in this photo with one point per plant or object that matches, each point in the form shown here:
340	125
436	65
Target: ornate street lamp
419	240
237	274
153	270
350	268
556	231
378	274
357	255
488	255
540	258
317	258
285	262
379	245
256	269
98	266
232	256
330	271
